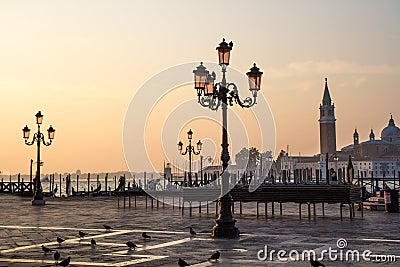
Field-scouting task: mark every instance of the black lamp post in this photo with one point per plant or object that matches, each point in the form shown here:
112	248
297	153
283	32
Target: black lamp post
336	159
38	138
190	149
213	96
327	169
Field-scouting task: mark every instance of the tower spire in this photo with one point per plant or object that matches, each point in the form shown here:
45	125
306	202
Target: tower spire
327	123
326	100
391	121
372	135
356	137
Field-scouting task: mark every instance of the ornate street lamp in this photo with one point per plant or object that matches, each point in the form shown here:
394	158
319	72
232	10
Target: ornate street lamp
38	138
200	78
224	52
190	149
213	96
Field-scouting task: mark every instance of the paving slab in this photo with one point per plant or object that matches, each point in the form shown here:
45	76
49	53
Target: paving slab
25	228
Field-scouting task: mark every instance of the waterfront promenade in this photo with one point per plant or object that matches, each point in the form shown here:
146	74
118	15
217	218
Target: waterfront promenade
24	228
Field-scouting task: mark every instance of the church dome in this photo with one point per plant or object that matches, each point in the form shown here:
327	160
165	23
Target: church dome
391	131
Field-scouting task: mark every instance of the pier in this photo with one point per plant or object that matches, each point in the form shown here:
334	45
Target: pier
268	199
342	195
20	187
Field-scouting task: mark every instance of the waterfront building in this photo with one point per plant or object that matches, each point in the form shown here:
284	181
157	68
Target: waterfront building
379	158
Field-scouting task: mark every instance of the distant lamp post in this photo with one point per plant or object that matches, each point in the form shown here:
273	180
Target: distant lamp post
38	138
213	96
189	150
336	159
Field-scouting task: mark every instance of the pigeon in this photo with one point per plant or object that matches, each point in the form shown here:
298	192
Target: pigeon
45	249
145	235
57	256
182	263
93	242
82	234
214	256
315	263
107	227
192	232
131	245
65	262
60	240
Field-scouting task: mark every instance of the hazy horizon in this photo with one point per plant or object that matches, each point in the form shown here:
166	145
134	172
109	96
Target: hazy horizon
80	63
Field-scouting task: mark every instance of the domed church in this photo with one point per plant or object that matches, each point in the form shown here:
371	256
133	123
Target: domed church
387	146
391	133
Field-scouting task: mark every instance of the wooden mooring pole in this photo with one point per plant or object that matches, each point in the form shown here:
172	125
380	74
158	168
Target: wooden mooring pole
88	183
77	183
106	183
60	185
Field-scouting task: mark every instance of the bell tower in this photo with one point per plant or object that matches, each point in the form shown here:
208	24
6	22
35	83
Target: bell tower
356	138
372	135
327	123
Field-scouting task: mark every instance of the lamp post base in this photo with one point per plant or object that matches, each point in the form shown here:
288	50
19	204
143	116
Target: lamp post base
38	199
225	231
225	224
38	202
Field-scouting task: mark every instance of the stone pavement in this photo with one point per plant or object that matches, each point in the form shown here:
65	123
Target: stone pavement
24	228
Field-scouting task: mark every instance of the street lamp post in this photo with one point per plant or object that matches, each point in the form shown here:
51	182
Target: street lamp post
327	168
336	159
38	138
222	94
189	150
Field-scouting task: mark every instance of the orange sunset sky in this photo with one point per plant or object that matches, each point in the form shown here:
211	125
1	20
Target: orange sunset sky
81	62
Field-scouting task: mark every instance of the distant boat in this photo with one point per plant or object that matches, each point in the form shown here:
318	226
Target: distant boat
97	190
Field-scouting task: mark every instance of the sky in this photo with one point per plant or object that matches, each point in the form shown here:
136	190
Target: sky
81	63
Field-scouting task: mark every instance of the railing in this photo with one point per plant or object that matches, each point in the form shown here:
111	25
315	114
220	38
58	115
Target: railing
22	188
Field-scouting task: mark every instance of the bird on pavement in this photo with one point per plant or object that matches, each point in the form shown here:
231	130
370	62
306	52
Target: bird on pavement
82	234
192	232
60	240
93	242
182	263
45	249
57	256
131	245
315	263
145	235
214	256
65	262
107	227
